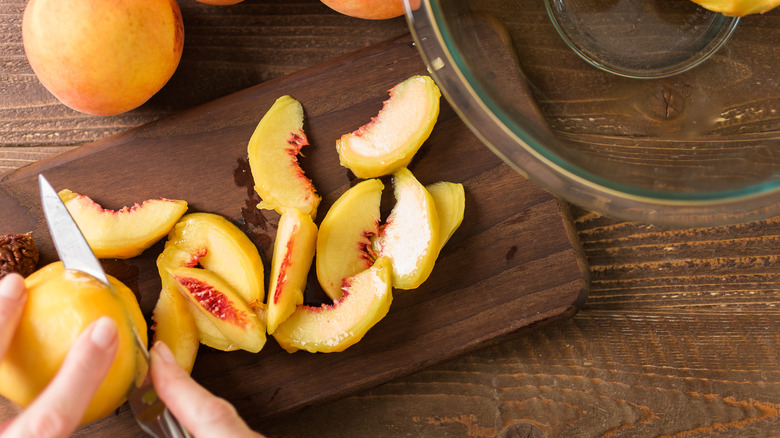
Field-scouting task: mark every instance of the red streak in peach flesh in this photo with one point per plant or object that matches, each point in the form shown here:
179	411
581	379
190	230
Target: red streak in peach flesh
297	141
283	268
213	301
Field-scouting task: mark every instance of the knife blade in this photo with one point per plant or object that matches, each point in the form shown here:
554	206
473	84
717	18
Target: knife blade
75	253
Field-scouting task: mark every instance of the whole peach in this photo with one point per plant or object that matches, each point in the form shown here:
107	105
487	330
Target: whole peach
103	57
368	9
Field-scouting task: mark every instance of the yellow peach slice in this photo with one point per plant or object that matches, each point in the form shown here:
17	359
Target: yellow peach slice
450	201
410	237
344	240
217	245
273	159
223	306
124	233
296	237
173	321
60	305
334	327
221	247
389	141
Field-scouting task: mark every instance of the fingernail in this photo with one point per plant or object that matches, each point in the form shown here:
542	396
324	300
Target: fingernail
164	352
104	332
12	286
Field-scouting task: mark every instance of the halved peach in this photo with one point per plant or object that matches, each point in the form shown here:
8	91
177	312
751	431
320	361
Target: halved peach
296	237
124	233
329	328
60	304
410	237
215	244
223	306
450	201
389	141
344	240
273	158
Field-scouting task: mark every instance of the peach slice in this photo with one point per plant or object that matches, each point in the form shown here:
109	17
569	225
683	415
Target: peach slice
296	237
410	237
344	240
217	245
173	321
124	233
223	306
365	300
389	141
450	201
273	159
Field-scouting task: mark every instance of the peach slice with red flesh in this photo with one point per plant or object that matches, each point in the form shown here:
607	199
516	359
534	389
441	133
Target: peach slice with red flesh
212	242
223	306
389	141
365	300
450	201
296	237
344	240
273	158
124	233
410	236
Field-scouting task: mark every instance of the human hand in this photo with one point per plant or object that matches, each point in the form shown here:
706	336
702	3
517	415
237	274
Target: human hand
58	410
199	411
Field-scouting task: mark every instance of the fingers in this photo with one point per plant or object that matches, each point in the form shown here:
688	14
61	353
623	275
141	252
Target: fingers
60	407
12	297
201	413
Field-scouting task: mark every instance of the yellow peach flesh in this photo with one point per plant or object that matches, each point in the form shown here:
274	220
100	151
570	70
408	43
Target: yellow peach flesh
222	305
123	233
345	234
450	201
410	237
390	140
331	328
273	150
296	238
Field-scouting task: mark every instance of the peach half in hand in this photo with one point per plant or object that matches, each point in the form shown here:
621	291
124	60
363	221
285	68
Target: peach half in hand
344	240
410	236
273	159
334	327
450	201
223	306
296	237
389	141
124	233
60	305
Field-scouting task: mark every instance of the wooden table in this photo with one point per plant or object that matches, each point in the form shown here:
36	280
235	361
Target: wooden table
679	335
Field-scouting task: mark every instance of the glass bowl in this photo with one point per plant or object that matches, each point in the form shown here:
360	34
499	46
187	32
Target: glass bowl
656	111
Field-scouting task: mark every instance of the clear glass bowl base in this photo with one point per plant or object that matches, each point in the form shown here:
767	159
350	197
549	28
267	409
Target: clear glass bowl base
622	36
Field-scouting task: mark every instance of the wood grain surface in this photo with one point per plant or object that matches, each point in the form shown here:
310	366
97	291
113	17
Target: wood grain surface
679	335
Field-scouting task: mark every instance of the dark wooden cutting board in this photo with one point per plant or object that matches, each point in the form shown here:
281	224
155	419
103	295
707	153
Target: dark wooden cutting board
514	264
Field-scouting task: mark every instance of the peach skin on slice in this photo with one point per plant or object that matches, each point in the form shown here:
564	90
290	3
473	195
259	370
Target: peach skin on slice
296	237
389	141
223	306
273	159
333	327
410	237
450	201
125	233
344	240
